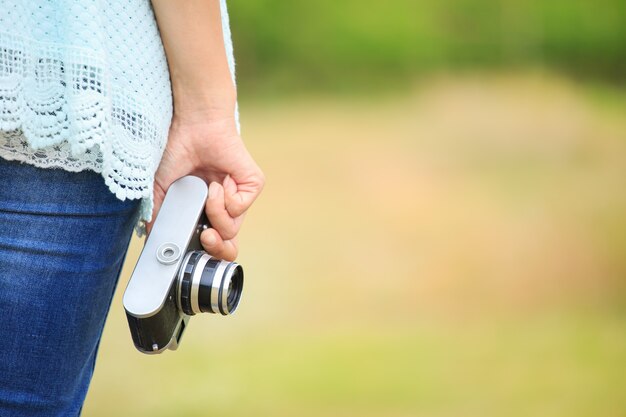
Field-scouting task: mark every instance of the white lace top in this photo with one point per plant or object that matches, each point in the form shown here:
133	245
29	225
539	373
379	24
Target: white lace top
84	84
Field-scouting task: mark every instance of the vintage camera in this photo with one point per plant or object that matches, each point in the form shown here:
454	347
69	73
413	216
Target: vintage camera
174	278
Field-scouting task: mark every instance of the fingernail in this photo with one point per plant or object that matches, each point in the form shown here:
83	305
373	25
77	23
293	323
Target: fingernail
229	185
210	240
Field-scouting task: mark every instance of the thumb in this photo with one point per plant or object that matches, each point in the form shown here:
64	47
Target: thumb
174	165
158	197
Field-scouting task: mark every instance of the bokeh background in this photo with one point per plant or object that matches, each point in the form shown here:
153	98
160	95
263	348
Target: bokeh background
443	230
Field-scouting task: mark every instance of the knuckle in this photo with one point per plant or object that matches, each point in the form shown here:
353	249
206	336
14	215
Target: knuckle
234	250
229	233
216	253
225	228
212	206
261	179
229	256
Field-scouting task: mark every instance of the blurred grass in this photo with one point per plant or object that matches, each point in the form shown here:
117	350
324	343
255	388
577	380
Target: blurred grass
346	46
459	249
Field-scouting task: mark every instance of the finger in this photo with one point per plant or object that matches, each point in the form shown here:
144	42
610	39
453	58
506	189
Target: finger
240	196
214	245
219	218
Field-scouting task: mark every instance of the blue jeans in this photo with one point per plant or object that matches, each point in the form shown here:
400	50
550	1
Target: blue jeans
63	239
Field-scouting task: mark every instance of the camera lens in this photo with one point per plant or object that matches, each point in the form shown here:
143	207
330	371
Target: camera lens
209	285
235	287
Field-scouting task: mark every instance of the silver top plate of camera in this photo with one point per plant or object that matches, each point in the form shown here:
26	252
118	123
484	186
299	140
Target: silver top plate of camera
158	265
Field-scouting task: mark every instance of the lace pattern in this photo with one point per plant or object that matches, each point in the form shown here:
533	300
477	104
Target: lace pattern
86	86
56	111
15	147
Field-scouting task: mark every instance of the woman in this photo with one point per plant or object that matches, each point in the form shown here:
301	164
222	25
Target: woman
102	106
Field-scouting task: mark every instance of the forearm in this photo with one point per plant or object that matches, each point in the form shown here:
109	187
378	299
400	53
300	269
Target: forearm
191	31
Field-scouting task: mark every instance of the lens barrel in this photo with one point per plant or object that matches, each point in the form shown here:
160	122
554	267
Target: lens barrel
209	285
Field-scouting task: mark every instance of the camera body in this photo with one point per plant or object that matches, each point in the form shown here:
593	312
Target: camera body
174	278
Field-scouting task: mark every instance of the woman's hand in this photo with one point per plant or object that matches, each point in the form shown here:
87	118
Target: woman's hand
203	139
211	148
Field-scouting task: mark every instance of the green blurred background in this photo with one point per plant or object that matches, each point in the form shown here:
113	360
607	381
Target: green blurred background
443	230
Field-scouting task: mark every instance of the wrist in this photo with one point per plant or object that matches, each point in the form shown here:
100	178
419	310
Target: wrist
206	101
204	123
